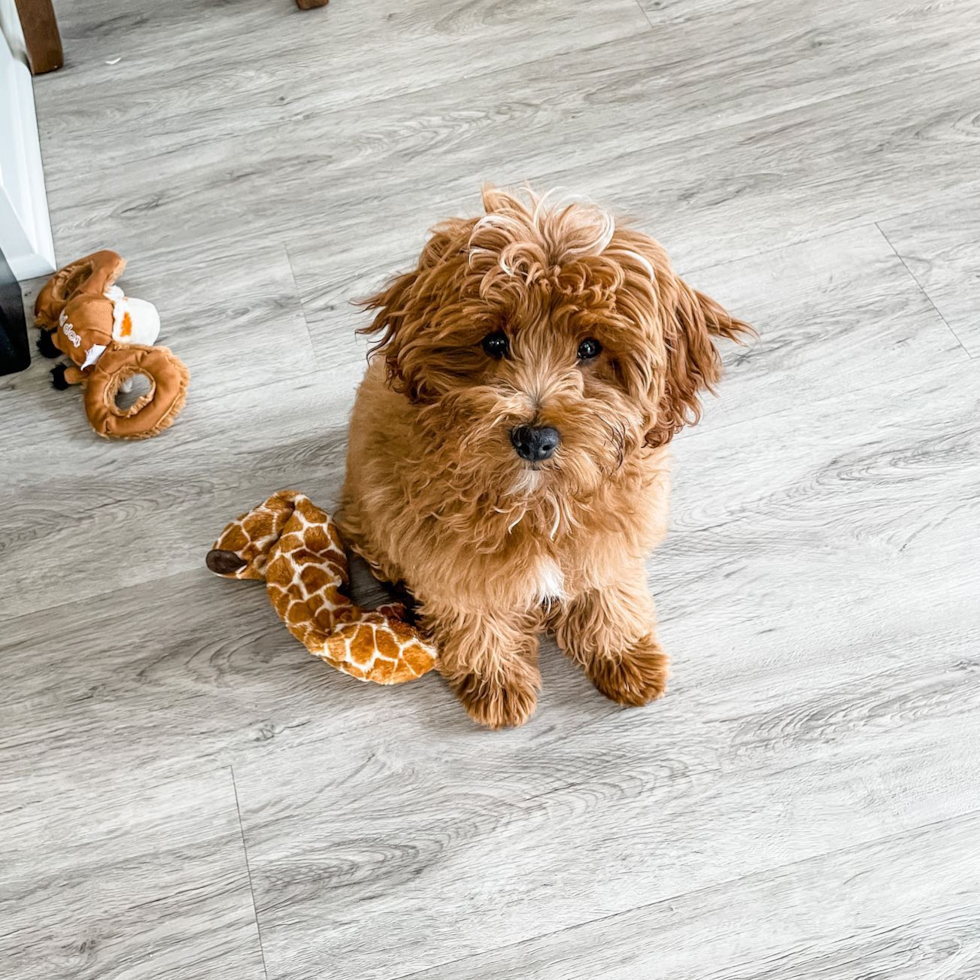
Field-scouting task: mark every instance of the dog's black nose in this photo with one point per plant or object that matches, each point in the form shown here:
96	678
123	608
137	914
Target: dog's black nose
535	442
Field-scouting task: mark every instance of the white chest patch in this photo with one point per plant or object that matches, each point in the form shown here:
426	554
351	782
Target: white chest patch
550	583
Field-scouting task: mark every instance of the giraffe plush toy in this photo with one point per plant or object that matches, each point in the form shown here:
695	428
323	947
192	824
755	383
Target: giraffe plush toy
296	549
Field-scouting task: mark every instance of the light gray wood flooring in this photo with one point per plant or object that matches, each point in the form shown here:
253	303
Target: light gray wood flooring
184	793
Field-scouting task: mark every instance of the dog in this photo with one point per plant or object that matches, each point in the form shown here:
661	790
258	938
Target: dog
508	446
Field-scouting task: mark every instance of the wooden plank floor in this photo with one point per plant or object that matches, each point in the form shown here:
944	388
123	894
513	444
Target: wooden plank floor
184	793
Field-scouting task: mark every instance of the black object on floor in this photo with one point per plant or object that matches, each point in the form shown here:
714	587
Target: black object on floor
15	351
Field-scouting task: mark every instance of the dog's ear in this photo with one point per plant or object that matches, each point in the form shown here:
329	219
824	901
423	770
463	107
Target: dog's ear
391	321
690	321
409	305
676	359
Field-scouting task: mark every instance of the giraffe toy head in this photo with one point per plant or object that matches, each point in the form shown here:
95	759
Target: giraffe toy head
295	547
246	544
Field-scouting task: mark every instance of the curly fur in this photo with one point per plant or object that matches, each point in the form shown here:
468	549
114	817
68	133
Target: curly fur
497	549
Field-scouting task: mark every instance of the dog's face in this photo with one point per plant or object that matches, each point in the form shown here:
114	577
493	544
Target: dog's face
544	346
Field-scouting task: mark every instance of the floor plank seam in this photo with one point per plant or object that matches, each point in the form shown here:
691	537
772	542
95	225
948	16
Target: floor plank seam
646	16
95	597
579	52
923	290
74	784
804	805
248	870
939	201
302	306
766	873
738	258
740	123
719	424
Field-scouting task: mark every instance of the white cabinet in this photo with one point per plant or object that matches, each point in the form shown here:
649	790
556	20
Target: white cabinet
25	229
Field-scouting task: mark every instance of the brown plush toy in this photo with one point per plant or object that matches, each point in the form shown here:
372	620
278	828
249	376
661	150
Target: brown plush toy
294	547
109	338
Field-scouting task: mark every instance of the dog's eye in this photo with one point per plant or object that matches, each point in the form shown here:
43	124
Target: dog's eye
496	344
589	348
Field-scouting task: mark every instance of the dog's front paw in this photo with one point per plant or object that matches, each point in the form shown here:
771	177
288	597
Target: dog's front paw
498	703
636	678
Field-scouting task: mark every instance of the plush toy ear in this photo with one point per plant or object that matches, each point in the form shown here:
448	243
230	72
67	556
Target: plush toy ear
225	562
92	276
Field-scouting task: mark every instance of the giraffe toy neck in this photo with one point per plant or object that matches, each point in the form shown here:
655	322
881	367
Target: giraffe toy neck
295	547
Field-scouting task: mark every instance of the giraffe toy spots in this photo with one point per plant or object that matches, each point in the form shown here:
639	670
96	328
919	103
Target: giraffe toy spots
295	547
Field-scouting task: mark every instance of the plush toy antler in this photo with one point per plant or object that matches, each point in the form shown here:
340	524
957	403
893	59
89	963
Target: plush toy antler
108	336
295	547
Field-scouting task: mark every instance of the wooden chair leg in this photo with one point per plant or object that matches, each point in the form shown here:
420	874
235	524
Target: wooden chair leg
44	51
